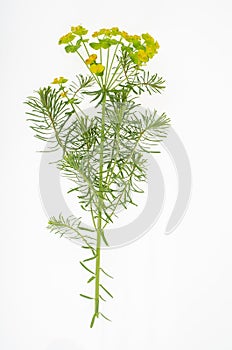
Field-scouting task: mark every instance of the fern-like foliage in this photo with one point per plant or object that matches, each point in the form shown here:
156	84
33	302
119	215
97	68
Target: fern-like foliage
72	229
148	82
127	134
80	87
54	119
49	116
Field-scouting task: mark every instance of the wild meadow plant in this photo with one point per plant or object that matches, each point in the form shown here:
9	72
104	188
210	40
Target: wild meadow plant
103	155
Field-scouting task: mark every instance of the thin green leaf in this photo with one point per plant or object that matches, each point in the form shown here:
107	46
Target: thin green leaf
92	321
106	273
91	279
86	296
92	258
86	268
106	318
106	290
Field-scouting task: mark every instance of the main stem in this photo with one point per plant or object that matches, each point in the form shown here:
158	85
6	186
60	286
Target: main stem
97	271
100	206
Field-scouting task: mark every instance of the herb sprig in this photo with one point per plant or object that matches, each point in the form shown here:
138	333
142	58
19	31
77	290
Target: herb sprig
103	155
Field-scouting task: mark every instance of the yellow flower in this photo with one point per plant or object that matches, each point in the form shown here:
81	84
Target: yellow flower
148	38
135	37
95	34
125	35
152	49
157	46
108	32
60	80
91	59
115	31
104	31
63	94
55	81
97	68
79	30
142	56
65	39
130	38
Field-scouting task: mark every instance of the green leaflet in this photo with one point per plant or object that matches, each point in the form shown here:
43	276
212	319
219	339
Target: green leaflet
86	268
71	48
91	279
86	296
95	46
106	290
106	318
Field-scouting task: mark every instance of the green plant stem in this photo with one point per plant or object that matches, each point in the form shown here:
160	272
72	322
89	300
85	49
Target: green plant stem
94	76
112	61
87	51
101	61
107	65
110	171
54	128
118	201
72	104
100	206
129	157
97	269
113	76
120	82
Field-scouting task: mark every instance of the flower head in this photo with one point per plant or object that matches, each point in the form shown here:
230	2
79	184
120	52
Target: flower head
142	56
135	38
148	38
79	30
92	58
67	38
63	94
97	68
60	80
95	34
125	35
152	49
115	31
103	31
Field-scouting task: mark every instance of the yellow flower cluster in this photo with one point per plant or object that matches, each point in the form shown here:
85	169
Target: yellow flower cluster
97	68
107	32
140	48
92	58
144	49
143	55
67	38
130	38
148	38
60	80
63	94
79	30
114	31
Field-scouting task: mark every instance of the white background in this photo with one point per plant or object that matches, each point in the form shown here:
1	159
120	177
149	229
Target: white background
171	292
